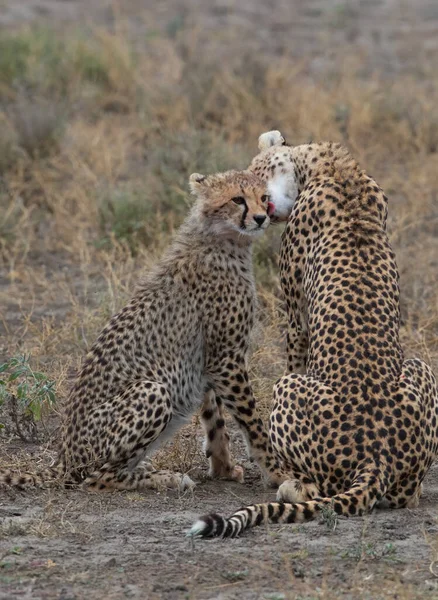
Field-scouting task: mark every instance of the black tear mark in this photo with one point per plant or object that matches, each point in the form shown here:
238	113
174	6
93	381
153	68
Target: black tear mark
245	212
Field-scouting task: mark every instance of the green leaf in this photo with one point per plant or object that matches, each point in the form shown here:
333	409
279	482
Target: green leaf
4	367
22	390
15	361
40	376
36	411
15	375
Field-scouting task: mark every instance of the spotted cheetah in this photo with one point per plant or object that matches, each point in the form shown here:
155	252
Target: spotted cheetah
182	340
353	422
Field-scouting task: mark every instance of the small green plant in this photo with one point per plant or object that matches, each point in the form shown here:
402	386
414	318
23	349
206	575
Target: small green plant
389	552
369	551
234	576
329	516
389	549
26	395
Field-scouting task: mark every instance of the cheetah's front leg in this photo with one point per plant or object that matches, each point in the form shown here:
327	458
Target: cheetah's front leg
232	385
217	440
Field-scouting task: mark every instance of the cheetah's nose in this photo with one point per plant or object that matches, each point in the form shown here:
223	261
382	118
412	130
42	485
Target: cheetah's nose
260	219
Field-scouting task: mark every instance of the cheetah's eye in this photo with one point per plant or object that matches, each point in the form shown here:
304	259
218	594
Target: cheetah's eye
265	198
238	200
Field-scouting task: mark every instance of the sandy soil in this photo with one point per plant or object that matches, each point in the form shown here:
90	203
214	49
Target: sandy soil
72	545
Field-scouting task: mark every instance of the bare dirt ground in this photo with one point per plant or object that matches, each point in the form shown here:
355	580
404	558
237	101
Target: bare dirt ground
72	545
68	545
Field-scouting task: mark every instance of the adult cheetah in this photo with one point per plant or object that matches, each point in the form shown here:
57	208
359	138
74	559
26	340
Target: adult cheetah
182	338
354	423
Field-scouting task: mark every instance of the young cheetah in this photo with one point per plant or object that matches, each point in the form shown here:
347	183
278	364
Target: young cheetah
354	423
182	338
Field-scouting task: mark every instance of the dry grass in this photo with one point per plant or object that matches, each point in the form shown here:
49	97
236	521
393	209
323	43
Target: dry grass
94	174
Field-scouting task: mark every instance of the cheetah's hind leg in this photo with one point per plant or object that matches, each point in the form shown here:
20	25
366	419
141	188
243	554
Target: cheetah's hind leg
217	440
109	478
139	419
418	392
398	498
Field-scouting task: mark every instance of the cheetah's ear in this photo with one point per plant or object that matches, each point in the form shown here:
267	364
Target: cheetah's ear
196	182
271	138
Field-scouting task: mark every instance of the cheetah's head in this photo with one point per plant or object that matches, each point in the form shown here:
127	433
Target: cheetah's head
274	165
231	204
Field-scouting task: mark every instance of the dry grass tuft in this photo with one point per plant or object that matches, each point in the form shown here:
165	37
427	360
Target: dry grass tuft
94	174
38	125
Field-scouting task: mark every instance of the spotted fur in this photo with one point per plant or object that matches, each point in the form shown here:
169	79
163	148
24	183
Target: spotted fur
182	338
354	423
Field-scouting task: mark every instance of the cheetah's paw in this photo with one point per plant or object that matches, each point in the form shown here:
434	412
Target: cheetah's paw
186	483
237	474
290	492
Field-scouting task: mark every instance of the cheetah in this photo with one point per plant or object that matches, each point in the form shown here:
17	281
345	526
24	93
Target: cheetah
181	341
353	423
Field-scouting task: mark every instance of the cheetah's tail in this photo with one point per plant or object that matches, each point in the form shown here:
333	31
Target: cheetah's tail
46	477
360	498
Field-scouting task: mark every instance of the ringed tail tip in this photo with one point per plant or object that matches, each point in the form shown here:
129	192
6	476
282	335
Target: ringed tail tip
212	525
197	528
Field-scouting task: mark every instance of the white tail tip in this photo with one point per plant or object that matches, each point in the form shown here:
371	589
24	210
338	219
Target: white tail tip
197	528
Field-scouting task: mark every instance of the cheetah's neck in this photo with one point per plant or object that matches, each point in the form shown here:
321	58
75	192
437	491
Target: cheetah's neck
363	199
325	159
